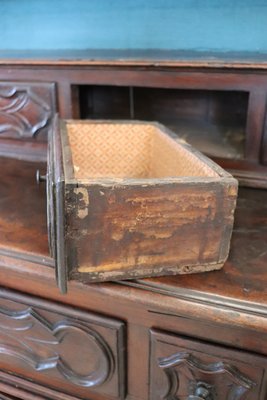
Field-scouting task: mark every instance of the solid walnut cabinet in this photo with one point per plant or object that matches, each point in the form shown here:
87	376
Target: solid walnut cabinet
218	107
188	337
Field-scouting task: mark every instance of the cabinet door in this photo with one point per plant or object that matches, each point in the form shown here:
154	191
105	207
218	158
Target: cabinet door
190	370
79	353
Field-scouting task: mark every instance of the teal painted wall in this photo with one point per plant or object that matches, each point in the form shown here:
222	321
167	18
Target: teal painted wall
216	25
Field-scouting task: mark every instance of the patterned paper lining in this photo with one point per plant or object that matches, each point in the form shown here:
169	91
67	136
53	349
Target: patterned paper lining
125	150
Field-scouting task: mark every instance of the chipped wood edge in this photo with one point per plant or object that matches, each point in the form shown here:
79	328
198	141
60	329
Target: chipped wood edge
117	275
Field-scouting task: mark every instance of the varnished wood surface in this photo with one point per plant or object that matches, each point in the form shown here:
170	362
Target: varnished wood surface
71	73
243	278
89	345
22	210
232	378
145	224
228	307
212	122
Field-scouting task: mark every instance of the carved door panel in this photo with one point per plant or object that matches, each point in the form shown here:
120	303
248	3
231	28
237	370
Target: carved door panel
182	369
26	109
78	353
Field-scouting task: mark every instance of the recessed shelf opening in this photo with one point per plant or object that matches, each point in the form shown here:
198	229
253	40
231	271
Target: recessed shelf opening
212	121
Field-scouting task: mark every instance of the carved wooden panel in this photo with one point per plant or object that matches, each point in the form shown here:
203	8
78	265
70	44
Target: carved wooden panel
184	369
26	109
77	352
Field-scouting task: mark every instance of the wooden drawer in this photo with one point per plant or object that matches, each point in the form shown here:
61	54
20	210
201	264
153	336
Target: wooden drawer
188	369
127	200
78	353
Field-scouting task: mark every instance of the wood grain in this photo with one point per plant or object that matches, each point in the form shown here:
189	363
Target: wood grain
26	109
23	227
38	342
169	239
226	308
180	366
70	75
122	225
243	275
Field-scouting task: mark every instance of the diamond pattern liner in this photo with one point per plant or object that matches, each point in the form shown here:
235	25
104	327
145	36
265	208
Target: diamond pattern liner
129	150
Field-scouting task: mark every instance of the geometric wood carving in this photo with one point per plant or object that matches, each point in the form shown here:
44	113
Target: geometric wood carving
83	353
26	109
185	369
173	367
27	320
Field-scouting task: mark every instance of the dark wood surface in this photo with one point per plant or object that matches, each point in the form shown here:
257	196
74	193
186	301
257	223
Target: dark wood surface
71	74
171	216
80	353
244	276
26	111
227	308
190	364
14	388
213	122
22	209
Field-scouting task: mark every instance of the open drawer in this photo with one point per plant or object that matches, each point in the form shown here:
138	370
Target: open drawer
126	200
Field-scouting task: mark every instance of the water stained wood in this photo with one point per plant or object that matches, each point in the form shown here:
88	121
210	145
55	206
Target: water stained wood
138	202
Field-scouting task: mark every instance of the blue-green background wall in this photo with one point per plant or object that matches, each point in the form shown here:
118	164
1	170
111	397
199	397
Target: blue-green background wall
216	25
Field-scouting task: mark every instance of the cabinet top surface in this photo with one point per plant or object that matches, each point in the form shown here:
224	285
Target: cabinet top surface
172	58
243	278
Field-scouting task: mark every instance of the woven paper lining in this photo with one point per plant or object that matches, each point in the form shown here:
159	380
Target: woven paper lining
125	150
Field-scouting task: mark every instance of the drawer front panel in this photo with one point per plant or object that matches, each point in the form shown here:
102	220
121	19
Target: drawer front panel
15	387
26	109
184	369
76	352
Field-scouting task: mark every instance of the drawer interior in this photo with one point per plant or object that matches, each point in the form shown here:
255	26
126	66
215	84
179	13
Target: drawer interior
130	150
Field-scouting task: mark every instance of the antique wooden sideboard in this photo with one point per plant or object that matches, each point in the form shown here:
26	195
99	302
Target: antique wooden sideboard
191	337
